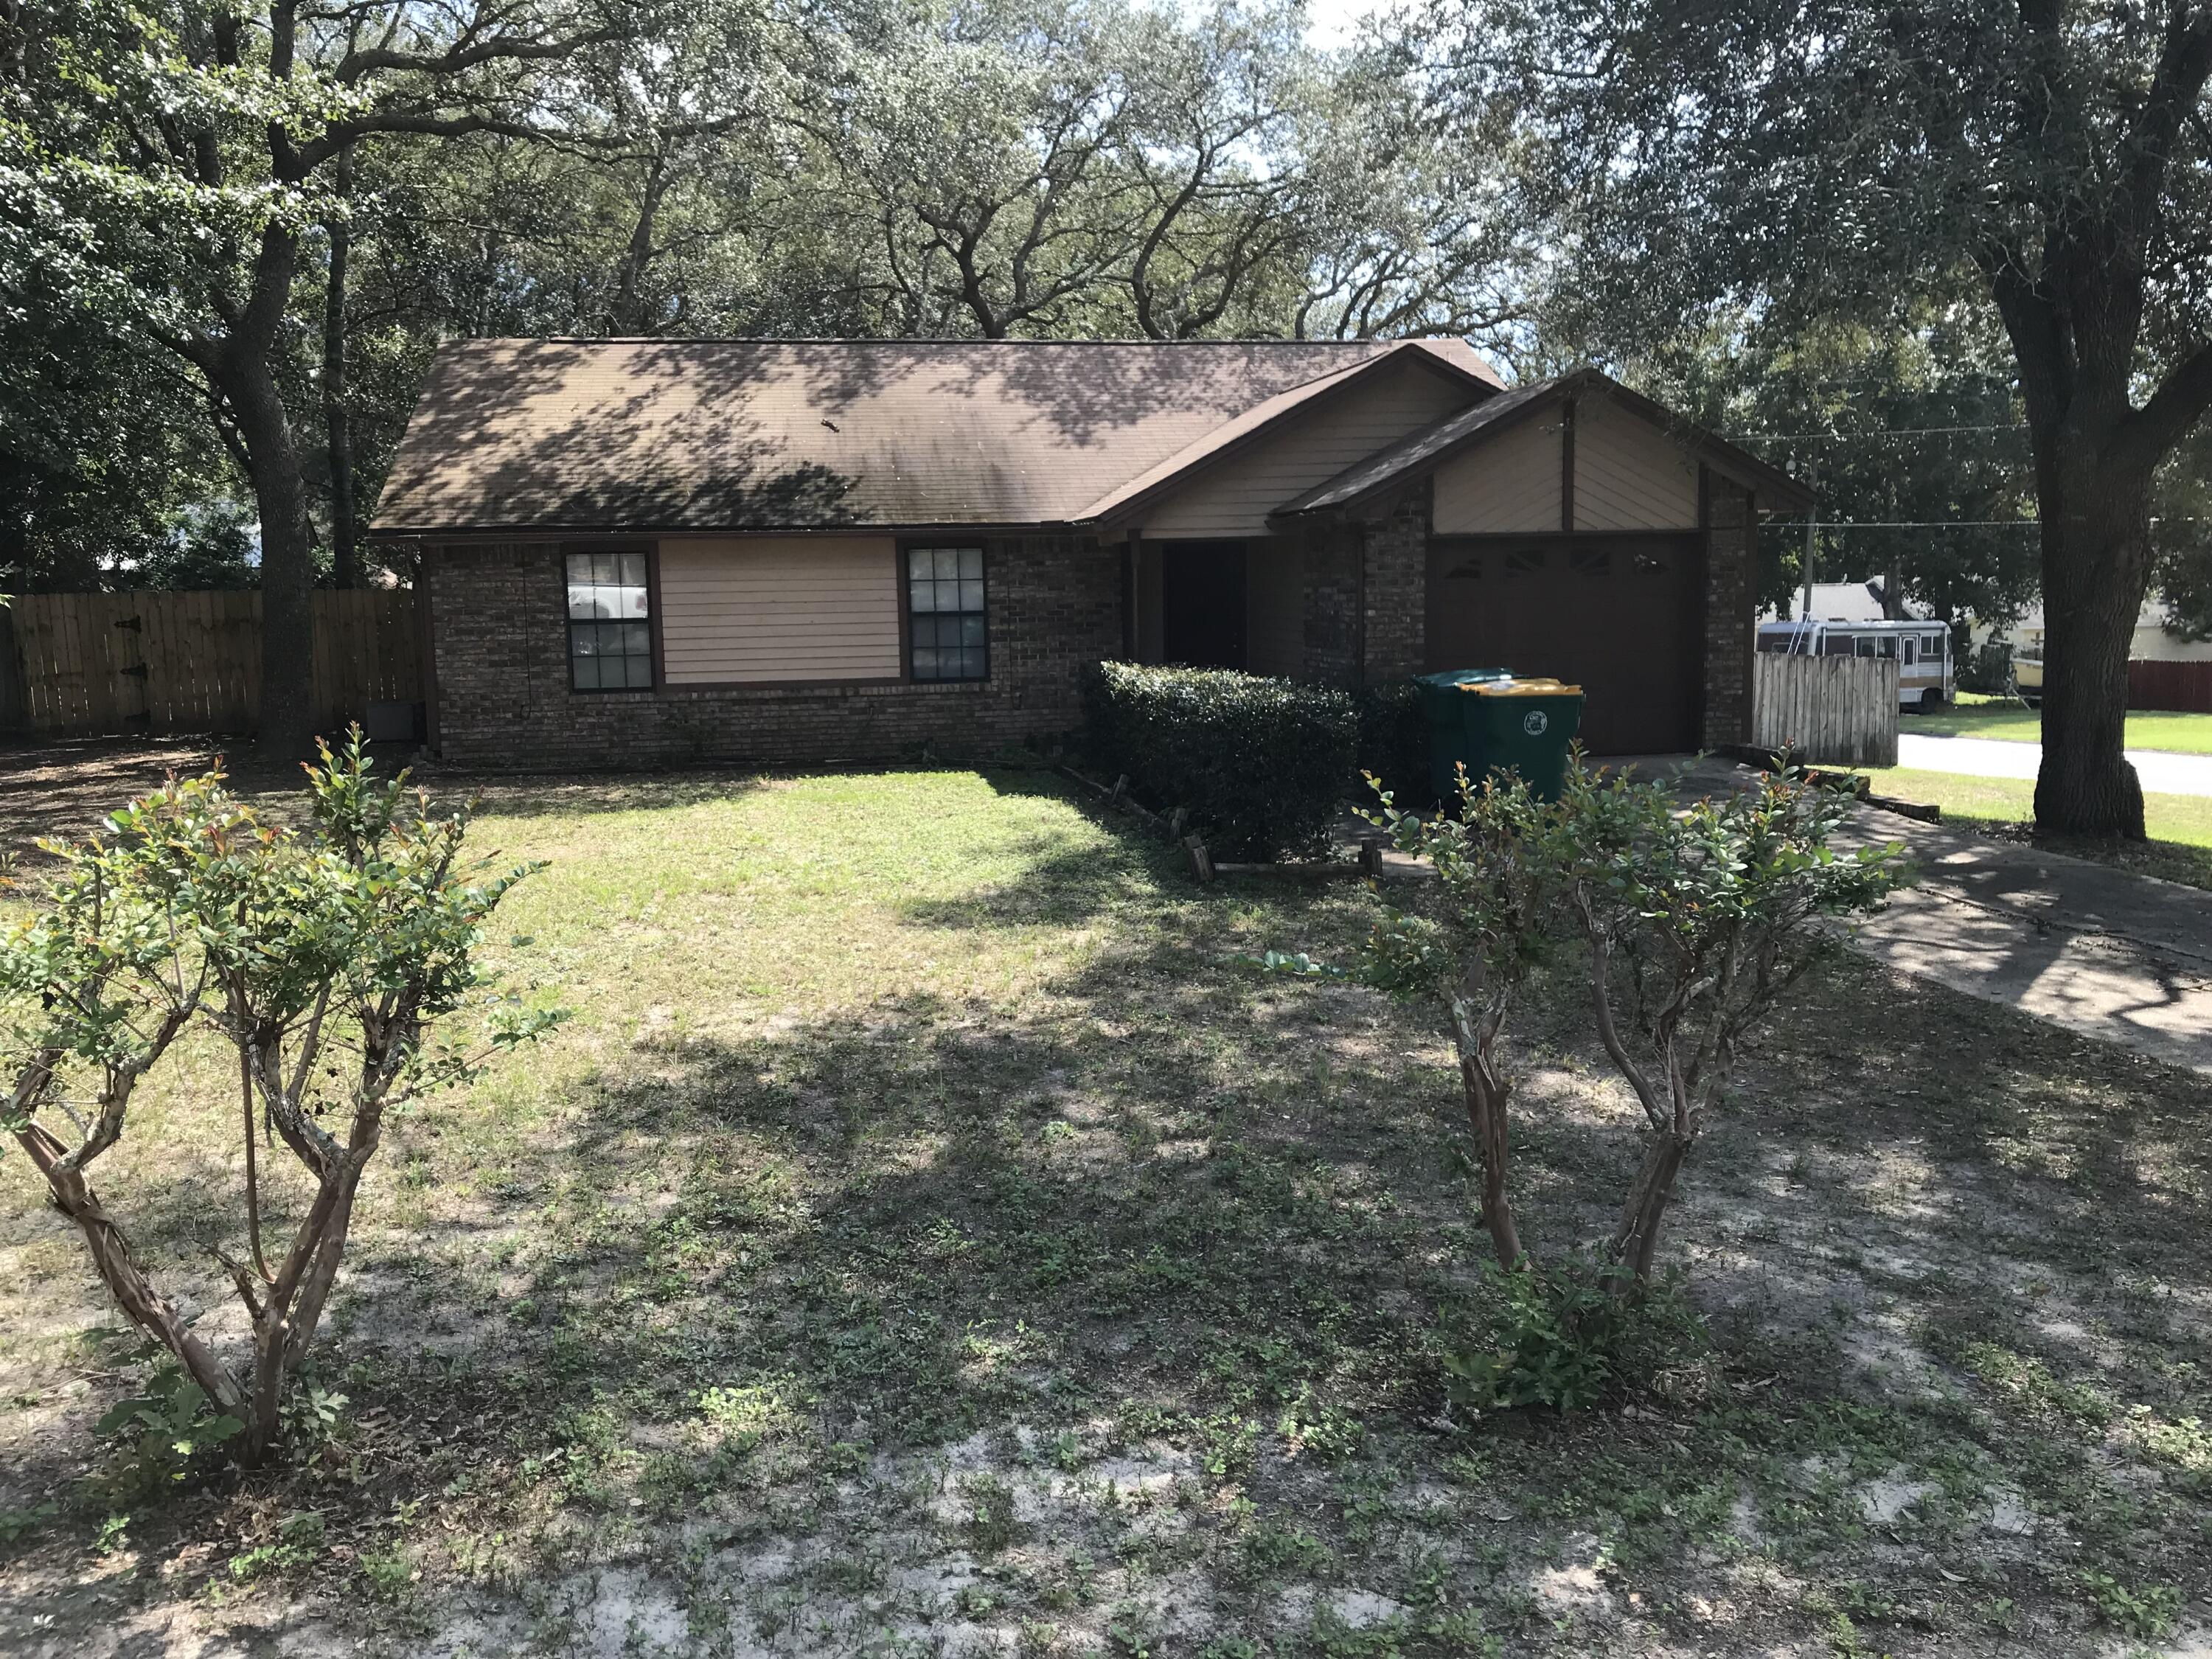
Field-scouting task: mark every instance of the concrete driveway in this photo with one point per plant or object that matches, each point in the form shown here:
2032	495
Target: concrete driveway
2105	952
2112	955
2162	771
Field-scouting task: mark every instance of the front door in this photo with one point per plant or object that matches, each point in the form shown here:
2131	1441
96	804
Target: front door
1202	603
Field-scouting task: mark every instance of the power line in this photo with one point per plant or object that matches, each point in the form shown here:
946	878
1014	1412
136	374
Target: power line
1929	524
1883	432
1950	524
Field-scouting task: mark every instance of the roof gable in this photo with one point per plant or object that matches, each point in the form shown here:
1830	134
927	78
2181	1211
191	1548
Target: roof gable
1420	453
1267	420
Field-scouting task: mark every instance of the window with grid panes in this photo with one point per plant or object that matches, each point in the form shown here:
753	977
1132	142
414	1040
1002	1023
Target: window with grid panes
944	612
610	622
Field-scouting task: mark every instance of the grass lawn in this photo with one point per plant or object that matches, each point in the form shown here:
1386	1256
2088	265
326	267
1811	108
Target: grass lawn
927	1239
2180	826
2014	721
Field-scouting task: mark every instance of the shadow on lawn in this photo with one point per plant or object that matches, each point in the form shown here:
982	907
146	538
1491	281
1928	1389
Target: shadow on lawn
522	794
874	1193
1165	1194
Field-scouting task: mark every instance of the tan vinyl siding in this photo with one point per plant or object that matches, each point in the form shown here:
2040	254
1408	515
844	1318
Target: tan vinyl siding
1629	474
1274	608
1234	497
1509	484
779	610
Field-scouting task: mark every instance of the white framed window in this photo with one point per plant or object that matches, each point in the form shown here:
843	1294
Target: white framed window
610	621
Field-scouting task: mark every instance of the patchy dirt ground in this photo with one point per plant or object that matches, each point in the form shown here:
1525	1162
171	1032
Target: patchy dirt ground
928	1239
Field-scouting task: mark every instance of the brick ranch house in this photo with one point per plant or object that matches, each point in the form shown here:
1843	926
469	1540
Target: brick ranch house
644	551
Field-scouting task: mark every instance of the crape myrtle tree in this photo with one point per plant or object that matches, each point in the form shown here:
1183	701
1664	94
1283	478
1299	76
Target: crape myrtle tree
1683	926
1822	157
167	166
1693	923
327	958
1471	954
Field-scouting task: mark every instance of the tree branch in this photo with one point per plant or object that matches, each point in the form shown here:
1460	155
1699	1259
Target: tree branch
2149	436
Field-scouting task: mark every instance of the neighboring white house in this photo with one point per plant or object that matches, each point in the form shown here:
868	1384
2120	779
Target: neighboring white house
1855	602
1840	602
2154	641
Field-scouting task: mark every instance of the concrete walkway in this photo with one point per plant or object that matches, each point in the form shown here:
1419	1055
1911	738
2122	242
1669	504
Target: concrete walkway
2110	954
2162	771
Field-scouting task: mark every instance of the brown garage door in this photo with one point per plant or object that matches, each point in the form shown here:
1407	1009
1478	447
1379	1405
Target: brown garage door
1616	615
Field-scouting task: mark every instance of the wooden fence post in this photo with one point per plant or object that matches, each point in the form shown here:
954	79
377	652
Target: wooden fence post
14	701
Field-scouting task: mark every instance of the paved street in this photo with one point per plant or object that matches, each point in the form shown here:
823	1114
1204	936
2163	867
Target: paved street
2162	772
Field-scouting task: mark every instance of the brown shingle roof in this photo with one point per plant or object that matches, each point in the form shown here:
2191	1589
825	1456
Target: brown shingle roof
713	435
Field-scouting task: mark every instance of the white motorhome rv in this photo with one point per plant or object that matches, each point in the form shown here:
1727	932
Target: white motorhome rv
1923	651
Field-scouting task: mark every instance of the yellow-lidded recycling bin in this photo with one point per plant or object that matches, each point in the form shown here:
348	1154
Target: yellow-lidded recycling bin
1527	726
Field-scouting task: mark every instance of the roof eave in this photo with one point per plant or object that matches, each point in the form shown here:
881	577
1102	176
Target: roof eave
537	529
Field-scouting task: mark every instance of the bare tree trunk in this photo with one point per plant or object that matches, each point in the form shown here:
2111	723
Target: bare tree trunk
284	1319
239	365
288	560
628	318
125	1280
1486	1117
1636	1240
337	418
2096	569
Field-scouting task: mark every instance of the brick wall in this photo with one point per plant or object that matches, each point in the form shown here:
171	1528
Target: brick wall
1731	611
501	641
1333	558
1397	553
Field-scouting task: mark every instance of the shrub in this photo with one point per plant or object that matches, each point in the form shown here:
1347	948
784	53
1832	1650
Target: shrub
1987	668
328	957
1263	765
1394	740
155	1438
1690	924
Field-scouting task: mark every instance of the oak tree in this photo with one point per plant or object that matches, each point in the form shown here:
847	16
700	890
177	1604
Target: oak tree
1841	156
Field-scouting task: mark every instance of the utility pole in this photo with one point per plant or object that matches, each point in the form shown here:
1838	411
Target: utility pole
1804	636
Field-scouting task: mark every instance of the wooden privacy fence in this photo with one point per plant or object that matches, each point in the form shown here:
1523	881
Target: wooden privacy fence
1832	711
2185	686
79	664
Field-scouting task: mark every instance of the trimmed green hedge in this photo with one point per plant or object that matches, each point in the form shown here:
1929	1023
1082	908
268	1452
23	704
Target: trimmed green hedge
1393	742
1264	765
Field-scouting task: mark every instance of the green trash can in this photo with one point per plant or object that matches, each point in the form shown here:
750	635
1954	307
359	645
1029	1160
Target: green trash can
1527	726
1454	719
